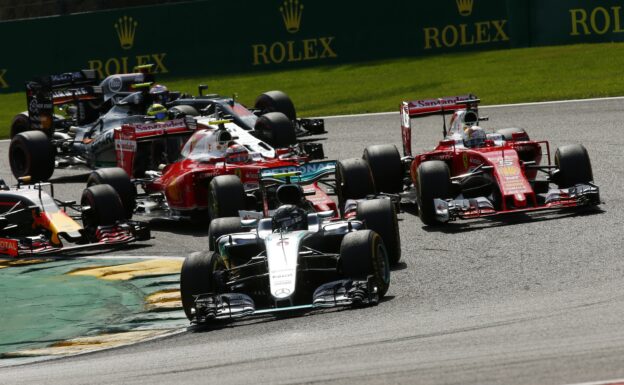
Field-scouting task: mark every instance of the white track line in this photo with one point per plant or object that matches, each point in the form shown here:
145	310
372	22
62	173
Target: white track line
492	106
608	382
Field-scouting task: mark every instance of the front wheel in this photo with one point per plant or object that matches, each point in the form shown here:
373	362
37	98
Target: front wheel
433	182
118	179
101	207
222	226
353	180
226	196
380	216
573	166
362	254
196	277
277	129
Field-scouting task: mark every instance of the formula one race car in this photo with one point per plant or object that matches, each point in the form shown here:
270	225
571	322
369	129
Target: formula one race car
185	187
471	173
294	258
41	142
33	222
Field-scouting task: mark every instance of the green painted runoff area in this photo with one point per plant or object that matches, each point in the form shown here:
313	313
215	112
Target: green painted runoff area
41	305
506	76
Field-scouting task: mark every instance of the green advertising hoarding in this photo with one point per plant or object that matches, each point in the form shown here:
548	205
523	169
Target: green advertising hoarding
212	37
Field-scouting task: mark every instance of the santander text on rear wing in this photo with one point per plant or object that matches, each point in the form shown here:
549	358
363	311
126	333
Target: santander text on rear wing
426	107
127	136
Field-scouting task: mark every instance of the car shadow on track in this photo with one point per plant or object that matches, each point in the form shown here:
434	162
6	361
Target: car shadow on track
180	227
512	220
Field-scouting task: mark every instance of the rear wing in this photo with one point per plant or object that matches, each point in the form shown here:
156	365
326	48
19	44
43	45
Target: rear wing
302	174
128	135
426	107
45	92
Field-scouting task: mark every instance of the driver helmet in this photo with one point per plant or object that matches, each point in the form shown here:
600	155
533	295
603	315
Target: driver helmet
236	153
474	136
159	94
158	111
289	218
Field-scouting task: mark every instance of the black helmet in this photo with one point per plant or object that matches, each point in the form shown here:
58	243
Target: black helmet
289	218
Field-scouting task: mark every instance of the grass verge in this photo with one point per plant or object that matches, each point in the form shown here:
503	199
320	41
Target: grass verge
508	76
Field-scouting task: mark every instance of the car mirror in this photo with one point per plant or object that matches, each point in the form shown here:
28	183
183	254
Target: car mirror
326	214
249	222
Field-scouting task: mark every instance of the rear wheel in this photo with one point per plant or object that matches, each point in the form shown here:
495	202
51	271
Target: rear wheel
386	167
433	181
196	277
118	179
20	123
104	207
222	226
226	196
32	154
353	180
574	166
380	216
276	129
362	253
276	101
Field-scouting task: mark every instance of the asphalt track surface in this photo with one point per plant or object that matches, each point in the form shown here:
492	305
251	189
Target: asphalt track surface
521	300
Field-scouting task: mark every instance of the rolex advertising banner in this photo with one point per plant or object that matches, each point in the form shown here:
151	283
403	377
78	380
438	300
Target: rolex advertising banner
212	37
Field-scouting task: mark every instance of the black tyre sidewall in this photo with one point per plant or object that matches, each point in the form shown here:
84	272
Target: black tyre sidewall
196	278
384	161
433	181
222	226
276	129
118	179
353	180
226	196
574	165
276	101
32	154
362	253
379	215
105	207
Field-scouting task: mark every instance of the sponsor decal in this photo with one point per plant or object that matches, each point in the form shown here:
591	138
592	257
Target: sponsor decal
597	21
8	247
464	7
3	82
115	84
465	159
509	171
126	28
140	128
308	170
282	292
465	34
293	50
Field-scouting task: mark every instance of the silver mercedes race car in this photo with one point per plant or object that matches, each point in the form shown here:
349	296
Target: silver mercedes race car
290	258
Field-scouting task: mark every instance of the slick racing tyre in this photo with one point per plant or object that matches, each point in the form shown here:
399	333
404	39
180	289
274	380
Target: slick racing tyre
196	277
226	196
118	179
574	166
222	226
380	216
386	167
433	181
353	181
20	123
276	129
32	154
362	253
276	101
101	207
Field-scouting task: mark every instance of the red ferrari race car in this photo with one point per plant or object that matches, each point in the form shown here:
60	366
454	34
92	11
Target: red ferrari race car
193	151
33	222
472	173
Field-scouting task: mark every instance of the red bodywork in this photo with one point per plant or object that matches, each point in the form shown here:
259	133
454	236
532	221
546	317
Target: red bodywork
507	162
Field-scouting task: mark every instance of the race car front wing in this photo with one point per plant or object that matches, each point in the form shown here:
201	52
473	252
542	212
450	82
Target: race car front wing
581	195
230	306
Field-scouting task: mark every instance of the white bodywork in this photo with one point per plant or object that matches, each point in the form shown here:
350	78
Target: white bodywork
282	256
204	143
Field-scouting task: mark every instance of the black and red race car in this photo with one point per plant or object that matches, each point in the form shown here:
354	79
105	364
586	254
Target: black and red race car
33	222
472	173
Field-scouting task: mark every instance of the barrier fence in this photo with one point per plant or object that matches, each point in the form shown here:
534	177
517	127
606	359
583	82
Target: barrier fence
212	37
